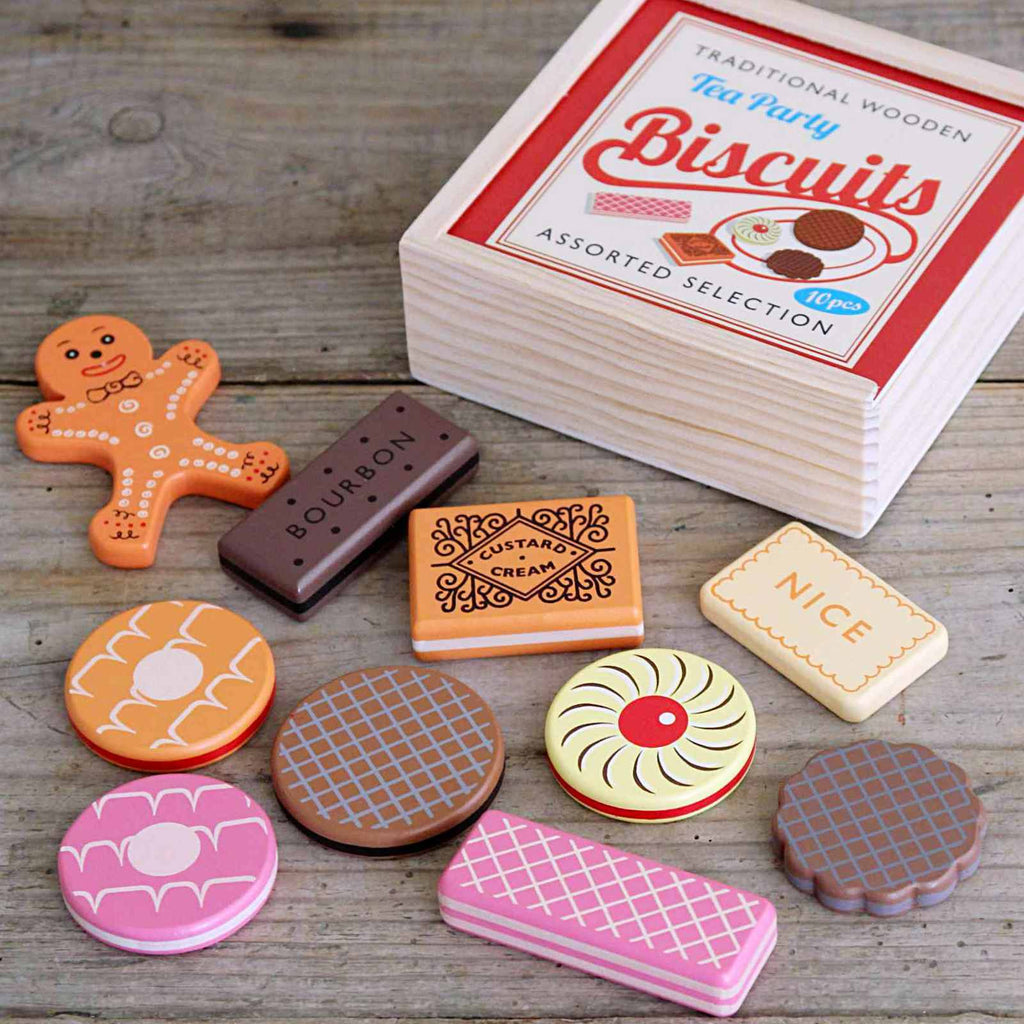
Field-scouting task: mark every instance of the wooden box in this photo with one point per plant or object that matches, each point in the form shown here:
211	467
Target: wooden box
758	245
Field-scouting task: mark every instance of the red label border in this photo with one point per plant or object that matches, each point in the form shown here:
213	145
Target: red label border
920	304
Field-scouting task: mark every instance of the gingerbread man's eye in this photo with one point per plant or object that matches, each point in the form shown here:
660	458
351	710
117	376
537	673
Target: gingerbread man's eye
71	353
107	339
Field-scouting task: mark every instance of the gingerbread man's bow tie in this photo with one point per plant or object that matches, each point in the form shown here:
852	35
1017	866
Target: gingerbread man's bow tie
130	380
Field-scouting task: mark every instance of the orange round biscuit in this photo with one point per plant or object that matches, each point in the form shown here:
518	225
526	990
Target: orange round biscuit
170	686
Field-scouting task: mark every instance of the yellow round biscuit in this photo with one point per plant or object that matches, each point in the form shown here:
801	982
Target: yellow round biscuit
650	735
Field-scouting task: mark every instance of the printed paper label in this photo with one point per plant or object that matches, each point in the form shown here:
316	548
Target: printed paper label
769	186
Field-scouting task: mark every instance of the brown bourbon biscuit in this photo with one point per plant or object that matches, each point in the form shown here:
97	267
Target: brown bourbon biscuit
795	263
692	249
348	504
388	760
828	229
879	826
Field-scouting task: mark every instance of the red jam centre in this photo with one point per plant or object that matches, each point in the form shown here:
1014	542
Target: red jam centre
760	229
653	721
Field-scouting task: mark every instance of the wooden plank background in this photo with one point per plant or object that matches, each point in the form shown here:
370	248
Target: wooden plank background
241	171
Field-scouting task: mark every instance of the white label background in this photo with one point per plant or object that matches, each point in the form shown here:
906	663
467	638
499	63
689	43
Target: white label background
558	200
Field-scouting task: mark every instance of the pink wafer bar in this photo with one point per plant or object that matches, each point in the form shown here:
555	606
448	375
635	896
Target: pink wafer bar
617	204
622	917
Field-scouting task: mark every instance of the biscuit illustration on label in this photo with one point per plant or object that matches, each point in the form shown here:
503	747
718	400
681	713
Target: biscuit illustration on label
828	229
693	249
650	735
111	404
167	864
170	686
795	264
757	230
388	760
879	826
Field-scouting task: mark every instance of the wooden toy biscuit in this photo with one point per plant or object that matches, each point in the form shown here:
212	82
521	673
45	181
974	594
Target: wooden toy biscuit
170	686
167	864
879	826
349	503
111	404
795	264
825	622
621	917
650	735
524	577
388	760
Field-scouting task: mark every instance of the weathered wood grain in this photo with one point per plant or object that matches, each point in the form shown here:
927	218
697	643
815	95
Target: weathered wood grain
243	170
359	938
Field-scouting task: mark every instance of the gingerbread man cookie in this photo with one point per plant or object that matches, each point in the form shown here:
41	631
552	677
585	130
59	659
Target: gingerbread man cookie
111	404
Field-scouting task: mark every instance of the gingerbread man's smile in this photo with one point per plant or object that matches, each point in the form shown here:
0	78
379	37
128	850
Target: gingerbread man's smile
107	366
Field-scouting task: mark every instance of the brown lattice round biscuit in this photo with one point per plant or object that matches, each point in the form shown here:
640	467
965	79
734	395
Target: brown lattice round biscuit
387	760
879	826
828	229
795	264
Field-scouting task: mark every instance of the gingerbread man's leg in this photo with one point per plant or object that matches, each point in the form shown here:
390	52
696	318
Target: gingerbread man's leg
126	531
244	474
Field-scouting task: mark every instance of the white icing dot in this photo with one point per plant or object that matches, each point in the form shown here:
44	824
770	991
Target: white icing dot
170	415
93	432
179	391
166	364
129	471
192	374
158	371
147	494
60	408
208	447
183	462
151	483
197	441
197	463
143	504
211	464
163	848
80	405
57	433
223	467
159	451
128	405
143	429
167	673
115	440
232	454
236	472
218	451
149	376
79	433
123	503
143	514
104	435
666	718
126	492
157	473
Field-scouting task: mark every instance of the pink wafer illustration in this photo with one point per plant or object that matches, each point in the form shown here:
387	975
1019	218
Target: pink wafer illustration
625	918
167	864
618	204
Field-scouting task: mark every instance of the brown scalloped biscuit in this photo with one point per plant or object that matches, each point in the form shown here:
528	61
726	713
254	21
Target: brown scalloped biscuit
388	760
879	826
828	229
795	264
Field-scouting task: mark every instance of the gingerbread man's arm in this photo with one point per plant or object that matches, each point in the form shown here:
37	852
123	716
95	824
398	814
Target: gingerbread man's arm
185	376
60	432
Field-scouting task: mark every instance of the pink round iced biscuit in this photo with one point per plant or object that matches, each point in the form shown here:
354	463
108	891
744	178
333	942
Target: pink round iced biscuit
168	864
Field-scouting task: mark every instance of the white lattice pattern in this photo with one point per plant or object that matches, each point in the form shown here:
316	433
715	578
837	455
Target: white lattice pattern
604	890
